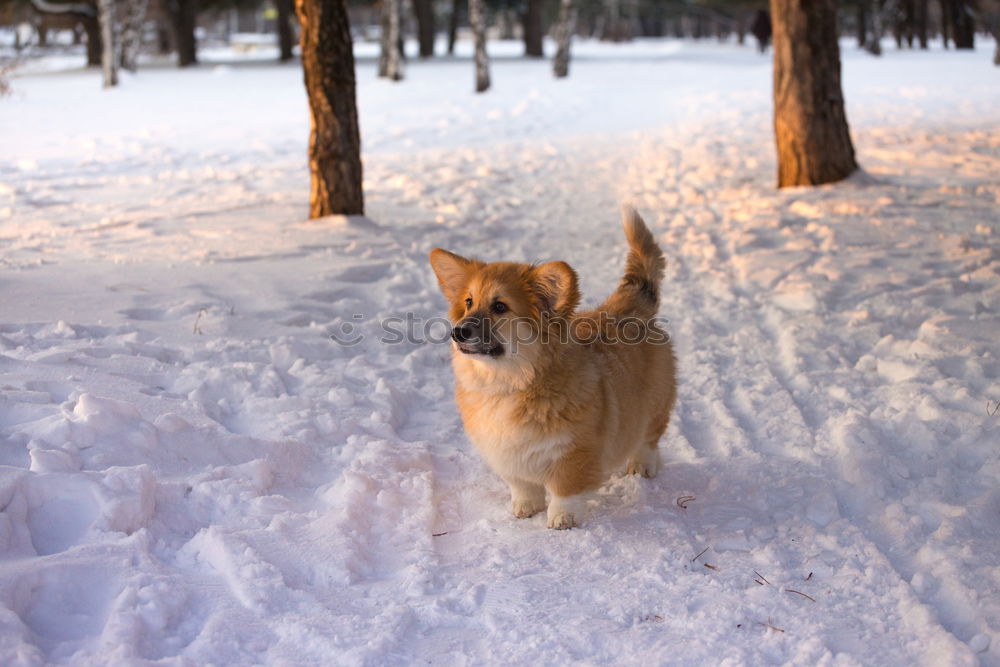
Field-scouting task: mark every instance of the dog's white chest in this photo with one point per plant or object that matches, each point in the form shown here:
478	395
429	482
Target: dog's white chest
511	447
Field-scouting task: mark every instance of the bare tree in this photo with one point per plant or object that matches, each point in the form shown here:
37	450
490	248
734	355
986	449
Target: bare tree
810	126
423	12
390	62
564	35
873	44
286	37
133	18
456	7
477	19
334	141
532	22
109	60
183	18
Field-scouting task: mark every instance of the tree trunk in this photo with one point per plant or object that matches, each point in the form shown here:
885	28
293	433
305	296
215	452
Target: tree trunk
286	37
477	18
163	37
964	24
532	21
390	64
135	17
456	7
862	19
183	17
874	41
94	49
334	142
423	11
945	21
109	59
810	127
920	22
564	35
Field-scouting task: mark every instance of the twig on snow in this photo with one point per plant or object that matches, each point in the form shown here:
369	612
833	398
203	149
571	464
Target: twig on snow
683	501
700	554
808	577
761	577
770	625
808	597
710	566
197	329
439	534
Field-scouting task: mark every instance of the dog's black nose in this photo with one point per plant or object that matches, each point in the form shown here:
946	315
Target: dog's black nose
467	331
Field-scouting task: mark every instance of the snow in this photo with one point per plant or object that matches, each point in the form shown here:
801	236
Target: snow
193	472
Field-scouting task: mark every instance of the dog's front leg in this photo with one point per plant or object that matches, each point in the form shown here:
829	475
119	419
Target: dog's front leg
569	484
526	498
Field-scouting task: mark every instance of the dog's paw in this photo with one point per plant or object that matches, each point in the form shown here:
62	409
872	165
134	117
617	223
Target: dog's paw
567	511
647	465
563	521
526	507
639	468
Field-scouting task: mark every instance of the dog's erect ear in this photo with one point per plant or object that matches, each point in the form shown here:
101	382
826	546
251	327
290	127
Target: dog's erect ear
556	288
451	270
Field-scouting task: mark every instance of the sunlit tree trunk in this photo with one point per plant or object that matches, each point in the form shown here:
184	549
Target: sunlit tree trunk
135	17
564	37
334	142
109	60
477	19
810	126
390	64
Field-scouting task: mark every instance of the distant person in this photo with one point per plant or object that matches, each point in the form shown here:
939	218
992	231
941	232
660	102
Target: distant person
761	29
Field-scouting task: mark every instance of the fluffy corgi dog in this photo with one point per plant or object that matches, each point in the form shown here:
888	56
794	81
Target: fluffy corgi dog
556	400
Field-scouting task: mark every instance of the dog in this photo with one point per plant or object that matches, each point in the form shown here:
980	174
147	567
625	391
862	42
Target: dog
554	399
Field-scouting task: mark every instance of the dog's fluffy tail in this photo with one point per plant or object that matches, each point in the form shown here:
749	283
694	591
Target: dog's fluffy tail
639	291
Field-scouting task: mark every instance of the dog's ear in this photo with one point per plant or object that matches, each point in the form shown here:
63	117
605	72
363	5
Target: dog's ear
452	271
556	288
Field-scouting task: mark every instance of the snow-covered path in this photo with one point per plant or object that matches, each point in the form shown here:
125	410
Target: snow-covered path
192	471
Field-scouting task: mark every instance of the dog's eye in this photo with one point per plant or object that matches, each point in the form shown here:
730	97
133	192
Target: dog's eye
499	307
468	303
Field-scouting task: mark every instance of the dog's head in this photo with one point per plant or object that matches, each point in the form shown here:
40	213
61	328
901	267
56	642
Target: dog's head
499	310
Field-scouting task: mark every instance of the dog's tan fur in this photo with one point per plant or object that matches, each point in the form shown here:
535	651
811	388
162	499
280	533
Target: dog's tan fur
557	415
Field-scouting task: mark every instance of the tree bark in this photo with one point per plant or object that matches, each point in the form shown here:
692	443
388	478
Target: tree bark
963	23
920	22
423	11
477	18
945	21
109	59
183	18
564	36
390	64
810	127
334	142
874	41
456	8
286	36
862	20
532	22
135	17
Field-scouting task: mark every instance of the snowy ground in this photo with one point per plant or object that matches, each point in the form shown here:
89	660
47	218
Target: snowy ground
192	472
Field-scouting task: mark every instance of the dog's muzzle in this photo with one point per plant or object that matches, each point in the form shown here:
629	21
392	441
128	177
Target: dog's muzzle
472	337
